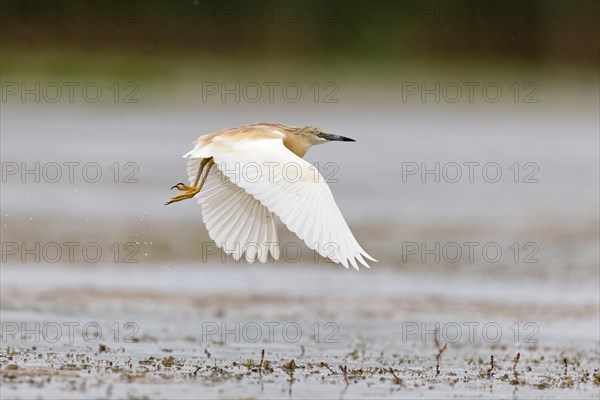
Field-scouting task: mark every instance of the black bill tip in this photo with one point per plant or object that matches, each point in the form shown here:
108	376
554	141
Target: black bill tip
336	138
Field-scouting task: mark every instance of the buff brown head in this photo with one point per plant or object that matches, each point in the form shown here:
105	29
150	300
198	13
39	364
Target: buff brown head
299	138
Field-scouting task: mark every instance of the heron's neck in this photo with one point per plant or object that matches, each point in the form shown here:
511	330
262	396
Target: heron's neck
297	145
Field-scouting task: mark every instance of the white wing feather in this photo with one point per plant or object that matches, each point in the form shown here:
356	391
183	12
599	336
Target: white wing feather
236	221
267	172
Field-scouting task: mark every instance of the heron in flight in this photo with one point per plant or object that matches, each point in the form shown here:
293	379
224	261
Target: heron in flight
258	171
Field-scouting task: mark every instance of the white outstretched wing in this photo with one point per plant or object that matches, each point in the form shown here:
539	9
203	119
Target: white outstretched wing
290	187
235	220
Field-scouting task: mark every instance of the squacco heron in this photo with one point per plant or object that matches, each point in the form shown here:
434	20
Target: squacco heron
245	175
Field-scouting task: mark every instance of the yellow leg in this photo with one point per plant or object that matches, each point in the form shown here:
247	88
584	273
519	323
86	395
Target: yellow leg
191	191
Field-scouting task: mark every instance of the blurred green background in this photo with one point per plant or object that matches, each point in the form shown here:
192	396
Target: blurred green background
152	38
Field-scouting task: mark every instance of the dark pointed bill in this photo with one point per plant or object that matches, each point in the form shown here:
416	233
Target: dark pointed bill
338	138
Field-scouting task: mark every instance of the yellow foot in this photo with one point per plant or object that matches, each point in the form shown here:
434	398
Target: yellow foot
188	193
182	187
